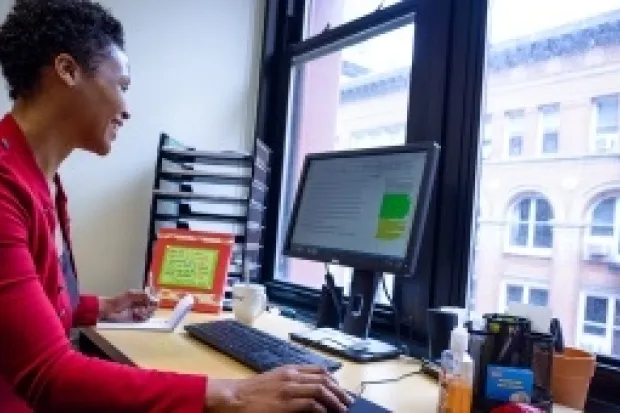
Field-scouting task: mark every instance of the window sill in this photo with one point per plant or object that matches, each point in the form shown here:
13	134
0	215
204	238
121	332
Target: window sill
542	253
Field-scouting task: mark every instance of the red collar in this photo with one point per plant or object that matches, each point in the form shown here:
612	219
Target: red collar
15	147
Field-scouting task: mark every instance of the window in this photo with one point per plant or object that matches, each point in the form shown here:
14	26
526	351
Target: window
349	86
487	141
603	219
531	224
515	133
338	79
605	116
547	67
520	67
524	292
602	242
599	323
549	118
329	109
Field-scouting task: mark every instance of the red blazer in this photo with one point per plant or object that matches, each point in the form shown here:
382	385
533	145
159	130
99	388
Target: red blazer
38	368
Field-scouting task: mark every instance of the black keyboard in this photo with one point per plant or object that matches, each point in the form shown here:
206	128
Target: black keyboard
256	349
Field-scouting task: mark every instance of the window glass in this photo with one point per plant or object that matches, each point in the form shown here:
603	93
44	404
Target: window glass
604	217
321	15
606	114
523	292
515	294
552	88
531	226
605	117
515	133
596	310
539	297
550	128
334	108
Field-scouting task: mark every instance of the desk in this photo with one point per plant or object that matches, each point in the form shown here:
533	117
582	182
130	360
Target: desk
179	353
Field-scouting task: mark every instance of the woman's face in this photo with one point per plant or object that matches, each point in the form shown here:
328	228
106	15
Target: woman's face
99	106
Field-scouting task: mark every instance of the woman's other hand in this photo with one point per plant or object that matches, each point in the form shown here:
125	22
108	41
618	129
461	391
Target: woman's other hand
285	389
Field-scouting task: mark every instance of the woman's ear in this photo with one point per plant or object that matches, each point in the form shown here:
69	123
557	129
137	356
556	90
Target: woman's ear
67	69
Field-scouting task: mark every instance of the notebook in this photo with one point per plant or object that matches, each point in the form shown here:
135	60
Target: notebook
183	307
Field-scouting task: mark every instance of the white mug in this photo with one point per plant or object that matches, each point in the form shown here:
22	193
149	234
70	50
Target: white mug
249	301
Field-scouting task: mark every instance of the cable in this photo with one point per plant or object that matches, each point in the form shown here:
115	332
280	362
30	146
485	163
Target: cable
363	384
402	346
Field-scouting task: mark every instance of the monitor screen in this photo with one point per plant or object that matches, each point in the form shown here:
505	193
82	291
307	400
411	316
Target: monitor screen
362	208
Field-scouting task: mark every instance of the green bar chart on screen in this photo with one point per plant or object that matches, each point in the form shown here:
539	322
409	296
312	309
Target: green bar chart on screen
395	208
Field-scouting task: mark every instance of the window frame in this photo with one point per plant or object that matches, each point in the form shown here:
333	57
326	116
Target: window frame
609	326
614	239
447	34
527	286
543	128
613	139
509	118
452	114
529	249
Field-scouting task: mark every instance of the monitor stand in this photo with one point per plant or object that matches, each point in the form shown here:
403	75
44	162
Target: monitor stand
351	341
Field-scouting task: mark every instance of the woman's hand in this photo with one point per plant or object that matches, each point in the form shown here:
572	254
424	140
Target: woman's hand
133	305
285	389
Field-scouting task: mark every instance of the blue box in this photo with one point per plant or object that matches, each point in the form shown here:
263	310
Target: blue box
509	384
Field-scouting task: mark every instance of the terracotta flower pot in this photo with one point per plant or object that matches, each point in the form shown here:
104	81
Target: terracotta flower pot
572	373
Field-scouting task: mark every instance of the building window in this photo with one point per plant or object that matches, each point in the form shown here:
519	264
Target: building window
530	226
603	219
515	127
549	126
524	292
605	124
599	323
603	237
572	100
486	140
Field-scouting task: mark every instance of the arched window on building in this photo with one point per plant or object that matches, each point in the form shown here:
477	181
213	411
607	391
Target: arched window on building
530	224
603	234
603	218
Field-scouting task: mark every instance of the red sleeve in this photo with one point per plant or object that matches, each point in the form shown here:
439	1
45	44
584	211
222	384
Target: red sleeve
87	312
37	359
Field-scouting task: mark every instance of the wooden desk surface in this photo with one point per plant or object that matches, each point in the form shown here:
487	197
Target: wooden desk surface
179	353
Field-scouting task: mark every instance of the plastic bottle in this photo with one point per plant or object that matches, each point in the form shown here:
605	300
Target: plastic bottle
457	374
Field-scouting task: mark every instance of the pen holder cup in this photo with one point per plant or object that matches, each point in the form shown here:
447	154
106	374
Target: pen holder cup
507	342
571	376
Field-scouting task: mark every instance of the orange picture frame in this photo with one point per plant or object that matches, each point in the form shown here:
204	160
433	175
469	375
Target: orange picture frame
191	262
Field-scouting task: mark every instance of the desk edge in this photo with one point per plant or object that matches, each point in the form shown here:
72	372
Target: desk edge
102	344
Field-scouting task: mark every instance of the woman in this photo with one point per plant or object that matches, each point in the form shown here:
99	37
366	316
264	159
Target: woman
66	71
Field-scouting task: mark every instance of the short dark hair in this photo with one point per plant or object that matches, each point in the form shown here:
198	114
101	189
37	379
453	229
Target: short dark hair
36	31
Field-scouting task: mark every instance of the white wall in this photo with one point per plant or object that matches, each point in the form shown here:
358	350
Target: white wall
194	66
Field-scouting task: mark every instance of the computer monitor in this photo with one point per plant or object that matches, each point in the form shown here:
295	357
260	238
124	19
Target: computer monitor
365	209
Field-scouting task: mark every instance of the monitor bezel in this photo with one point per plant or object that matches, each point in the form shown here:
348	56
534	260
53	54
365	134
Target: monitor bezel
364	261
